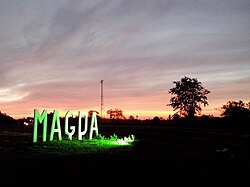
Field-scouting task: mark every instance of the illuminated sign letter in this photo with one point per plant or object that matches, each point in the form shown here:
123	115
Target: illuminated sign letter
55	121
69	130
40	119
80	132
72	128
93	126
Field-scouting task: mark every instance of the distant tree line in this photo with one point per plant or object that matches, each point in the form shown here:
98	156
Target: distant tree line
236	111
190	95
6	119
188	98
115	114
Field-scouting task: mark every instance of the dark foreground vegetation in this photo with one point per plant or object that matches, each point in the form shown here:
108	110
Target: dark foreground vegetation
163	152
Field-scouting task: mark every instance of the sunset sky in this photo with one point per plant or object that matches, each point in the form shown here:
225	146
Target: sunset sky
54	53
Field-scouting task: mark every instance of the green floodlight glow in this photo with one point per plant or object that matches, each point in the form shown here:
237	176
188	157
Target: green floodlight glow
126	140
117	141
97	145
92	144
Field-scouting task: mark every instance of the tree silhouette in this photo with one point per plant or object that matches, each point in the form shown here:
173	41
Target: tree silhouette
131	117
236	110
156	119
6	119
116	114
90	112
190	94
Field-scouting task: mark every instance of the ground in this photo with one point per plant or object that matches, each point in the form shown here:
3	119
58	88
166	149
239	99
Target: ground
161	153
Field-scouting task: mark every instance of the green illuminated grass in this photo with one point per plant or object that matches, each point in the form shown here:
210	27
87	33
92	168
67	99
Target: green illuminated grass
99	144
17	144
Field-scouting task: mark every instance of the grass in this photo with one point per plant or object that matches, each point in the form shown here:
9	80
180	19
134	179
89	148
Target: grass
19	145
97	145
190	152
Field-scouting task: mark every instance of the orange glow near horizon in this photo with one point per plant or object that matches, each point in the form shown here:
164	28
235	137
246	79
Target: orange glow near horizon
145	106
141	114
